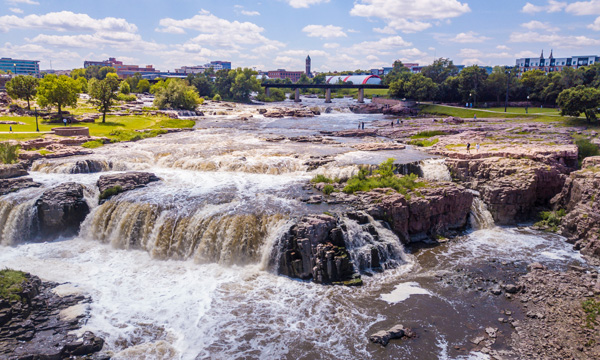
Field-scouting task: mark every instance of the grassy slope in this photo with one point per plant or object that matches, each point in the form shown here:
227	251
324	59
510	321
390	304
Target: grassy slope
10	284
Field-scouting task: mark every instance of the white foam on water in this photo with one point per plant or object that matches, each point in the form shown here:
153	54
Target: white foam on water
435	170
403	291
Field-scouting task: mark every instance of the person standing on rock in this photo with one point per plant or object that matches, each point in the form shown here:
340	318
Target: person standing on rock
363	125
392	124
10	129
477	147
359	126
468	148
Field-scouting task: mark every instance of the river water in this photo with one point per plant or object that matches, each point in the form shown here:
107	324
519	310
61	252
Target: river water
181	269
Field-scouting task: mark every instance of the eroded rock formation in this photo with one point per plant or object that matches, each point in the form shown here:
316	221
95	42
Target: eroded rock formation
61	210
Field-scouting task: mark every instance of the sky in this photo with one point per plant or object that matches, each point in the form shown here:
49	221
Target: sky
274	34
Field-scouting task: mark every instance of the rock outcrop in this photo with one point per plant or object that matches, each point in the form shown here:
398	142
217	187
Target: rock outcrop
383	337
580	197
12	171
113	184
287	112
32	327
61	210
15	184
314	248
511	188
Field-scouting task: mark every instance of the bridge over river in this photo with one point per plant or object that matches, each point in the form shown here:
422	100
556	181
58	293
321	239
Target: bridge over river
361	89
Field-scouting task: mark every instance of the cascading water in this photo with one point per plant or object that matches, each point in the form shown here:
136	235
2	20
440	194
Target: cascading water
435	170
480	217
18	218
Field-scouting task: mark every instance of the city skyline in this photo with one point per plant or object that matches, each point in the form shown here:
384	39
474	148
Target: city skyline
338	35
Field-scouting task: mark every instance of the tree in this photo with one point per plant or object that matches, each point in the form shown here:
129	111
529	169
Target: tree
83	85
580	99
396	89
534	81
202	83
160	84
420	88
398	72
470	82
496	82
98	72
125	88
78	73
57	90
244	84
304	80
23	87
143	86
224	80
440	70
177	95
103	94
133	81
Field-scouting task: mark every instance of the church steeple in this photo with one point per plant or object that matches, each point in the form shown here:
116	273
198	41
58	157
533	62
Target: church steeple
308	63
551	56
542	56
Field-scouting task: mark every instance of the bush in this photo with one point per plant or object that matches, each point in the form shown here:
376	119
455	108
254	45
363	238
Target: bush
110	192
586	149
201	101
321	179
550	220
217	97
9	153
126	97
424	142
383	178
591	308
93	144
10	284
328	189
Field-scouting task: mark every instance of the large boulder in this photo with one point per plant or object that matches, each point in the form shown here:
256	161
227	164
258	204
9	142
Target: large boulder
15	184
61	210
512	188
11	171
116	183
314	248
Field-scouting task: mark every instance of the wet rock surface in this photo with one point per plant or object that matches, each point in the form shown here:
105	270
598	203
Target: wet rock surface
12	171
33	328
61	210
555	325
127	181
15	184
383	337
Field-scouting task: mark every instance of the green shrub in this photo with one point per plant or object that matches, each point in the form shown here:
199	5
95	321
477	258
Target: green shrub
44	152
126	97
591	308
586	149
328	189
321	179
93	144
550	220
9	153
217	97
110	192
131	135
428	134
424	142
10	284
384	178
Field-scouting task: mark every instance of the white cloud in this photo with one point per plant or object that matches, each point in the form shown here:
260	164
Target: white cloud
595	25
218	32
65	21
304	3
16	10
385	45
289	63
405	15
331	45
324	31
526	54
117	40
372	58
28	2
469	37
353	31
584	7
502	47
538	25
301	54
554	39
385	30
551	7
250	13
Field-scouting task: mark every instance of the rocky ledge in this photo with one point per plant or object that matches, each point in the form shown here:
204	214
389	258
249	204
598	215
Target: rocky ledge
580	198
40	324
559	321
61	210
288	112
113	184
513	189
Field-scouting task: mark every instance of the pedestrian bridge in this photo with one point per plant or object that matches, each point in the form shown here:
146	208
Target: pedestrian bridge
361	89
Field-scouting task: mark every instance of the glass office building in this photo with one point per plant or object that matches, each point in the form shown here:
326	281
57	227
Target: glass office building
20	67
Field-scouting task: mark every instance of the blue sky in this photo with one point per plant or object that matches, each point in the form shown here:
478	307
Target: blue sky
271	34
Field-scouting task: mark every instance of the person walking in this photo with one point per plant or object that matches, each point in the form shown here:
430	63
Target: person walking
477	147
468	148
359	126
10	129
65	122
392	124
363	125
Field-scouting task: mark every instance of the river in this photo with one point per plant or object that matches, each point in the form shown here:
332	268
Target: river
181	269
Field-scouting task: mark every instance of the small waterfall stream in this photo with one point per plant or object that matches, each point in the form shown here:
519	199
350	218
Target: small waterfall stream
480	217
435	170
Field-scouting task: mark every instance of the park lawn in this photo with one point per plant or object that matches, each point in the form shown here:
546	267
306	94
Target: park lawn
531	110
127	123
510	116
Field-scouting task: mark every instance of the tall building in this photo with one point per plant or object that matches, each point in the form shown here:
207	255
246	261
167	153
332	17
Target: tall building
284	74
552	64
111	62
20	67
220	65
308	61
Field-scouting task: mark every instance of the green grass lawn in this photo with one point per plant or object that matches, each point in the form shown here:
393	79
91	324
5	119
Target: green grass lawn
131	123
531	110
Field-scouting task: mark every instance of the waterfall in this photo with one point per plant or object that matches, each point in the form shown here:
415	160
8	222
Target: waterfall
435	169
70	166
19	221
372	246
166	233
480	218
